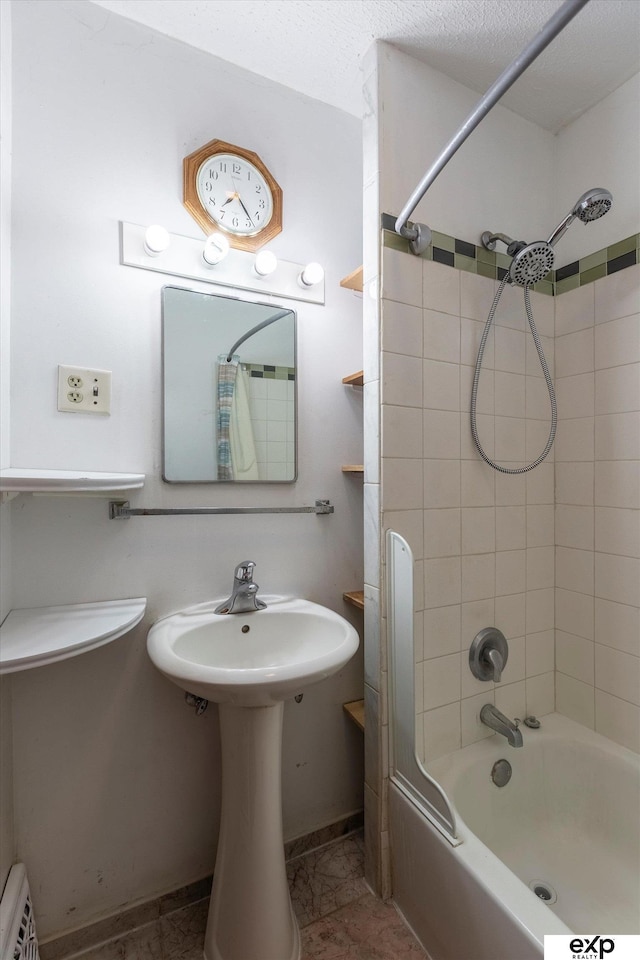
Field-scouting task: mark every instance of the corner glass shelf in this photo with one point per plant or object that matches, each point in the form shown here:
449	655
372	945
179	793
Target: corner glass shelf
15	480
37	636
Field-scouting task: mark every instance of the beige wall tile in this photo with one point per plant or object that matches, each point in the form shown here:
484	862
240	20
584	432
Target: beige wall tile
441	730
510	350
539	610
617	342
441	287
401	277
441	681
470	336
617	578
574	440
617	625
540	653
401	432
574	353
575	613
617	483
540	484
618	719
476	615
538	405
441	434
617	673
575	656
541	697
441	385
574	570
515	669
575	396
540	525
478	577
476	295
574	484
575	310
401	328
441	483
617	295
511	490
575	700
442	582
441	336
402	484
401	383
441	533
534	367
511	527
511	572
617	436
477	484
618	389
617	531
540	567
511	699
478	530
574	526
441	631
510	394
510	441
510	614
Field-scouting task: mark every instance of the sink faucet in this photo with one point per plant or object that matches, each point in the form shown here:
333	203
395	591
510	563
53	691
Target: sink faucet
243	597
493	718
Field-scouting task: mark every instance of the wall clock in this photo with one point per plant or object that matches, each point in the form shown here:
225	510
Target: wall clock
230	189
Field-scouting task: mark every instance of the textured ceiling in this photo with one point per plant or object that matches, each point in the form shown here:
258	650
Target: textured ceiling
316	46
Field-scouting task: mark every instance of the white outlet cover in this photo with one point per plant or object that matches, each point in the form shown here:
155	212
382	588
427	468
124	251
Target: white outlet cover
81	390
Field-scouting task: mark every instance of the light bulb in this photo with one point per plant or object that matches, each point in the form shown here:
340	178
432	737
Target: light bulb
216	247
313	273
156	240
265	263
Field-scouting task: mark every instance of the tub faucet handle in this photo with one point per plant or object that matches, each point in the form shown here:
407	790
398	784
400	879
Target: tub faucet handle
495	659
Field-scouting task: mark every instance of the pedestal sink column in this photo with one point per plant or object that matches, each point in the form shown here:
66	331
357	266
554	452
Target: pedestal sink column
250	916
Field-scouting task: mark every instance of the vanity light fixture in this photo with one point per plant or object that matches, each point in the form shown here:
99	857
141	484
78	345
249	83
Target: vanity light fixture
156	240
216	247
313	273
265	263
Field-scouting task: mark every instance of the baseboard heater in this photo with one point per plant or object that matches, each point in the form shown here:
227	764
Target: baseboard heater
17	927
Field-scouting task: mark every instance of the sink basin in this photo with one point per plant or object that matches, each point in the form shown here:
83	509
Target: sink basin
251	659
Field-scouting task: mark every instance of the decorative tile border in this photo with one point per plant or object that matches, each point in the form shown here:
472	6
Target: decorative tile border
488	263
267	371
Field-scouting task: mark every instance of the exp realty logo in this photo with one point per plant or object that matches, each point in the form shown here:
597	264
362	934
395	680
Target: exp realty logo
585	949
591	947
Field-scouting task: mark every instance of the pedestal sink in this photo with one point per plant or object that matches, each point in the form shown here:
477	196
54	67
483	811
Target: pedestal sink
250	663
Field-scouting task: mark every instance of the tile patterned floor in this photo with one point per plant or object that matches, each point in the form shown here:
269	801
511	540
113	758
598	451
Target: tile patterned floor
366	929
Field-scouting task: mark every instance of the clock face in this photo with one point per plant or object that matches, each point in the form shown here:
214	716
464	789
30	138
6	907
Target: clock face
234	194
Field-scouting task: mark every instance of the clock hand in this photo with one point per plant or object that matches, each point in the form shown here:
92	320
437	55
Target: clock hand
245	210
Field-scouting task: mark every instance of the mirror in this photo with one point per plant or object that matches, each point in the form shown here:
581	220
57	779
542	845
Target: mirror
229	389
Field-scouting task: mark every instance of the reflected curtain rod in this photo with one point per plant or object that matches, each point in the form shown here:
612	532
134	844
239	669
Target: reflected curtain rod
259	326
419	234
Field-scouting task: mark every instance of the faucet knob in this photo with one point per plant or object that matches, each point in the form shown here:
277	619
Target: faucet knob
488	654
244	571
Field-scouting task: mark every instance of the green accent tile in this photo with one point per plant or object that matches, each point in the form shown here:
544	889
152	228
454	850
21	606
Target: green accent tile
503	260
395	241
488	256
282	373
594	274
443	240
465	263
486	269
544	286
623	246
571	283
593	260
269	375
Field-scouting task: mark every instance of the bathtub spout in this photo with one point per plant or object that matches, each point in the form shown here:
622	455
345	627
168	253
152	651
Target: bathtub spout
493	718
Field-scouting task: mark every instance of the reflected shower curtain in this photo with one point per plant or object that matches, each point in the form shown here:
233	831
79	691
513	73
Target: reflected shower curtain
235	444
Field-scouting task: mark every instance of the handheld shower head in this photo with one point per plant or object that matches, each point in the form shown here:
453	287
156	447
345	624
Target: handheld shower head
591	206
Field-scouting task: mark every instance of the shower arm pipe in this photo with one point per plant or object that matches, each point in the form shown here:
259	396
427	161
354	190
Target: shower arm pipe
419	234
256	329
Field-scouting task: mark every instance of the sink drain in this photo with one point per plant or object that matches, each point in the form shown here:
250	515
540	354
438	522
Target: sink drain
543	890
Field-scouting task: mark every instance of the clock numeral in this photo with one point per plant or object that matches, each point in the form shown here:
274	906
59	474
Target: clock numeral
235	222
237	169
208	186
223	166
248	222
258	188
261	204
222	214
257	216
213	174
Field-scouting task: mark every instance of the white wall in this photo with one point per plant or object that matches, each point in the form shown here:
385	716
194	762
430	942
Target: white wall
600	149
116	781
501	179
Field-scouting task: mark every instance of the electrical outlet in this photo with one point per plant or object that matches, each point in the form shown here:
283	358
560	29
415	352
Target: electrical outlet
84	391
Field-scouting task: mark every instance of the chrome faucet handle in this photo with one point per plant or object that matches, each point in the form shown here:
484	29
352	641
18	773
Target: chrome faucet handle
494	657
244	571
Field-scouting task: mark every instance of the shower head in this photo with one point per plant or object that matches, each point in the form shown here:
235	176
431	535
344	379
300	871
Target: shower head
591	206
531	263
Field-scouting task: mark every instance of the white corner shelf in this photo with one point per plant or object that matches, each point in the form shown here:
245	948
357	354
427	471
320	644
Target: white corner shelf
15	480
37	636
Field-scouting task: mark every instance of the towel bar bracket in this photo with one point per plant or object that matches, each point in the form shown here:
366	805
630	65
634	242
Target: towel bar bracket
120	510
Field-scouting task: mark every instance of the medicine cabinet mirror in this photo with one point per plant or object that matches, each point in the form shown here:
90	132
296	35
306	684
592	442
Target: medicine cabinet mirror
229	389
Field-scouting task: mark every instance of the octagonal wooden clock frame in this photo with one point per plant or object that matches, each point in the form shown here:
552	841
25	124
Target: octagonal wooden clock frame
191	199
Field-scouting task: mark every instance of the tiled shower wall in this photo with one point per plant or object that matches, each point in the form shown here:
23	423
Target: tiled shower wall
597	501
510	551
483	542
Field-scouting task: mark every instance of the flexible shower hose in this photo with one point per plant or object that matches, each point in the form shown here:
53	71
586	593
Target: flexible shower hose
545	370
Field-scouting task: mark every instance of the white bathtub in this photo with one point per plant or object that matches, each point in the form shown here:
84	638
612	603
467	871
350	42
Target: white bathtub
569	817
